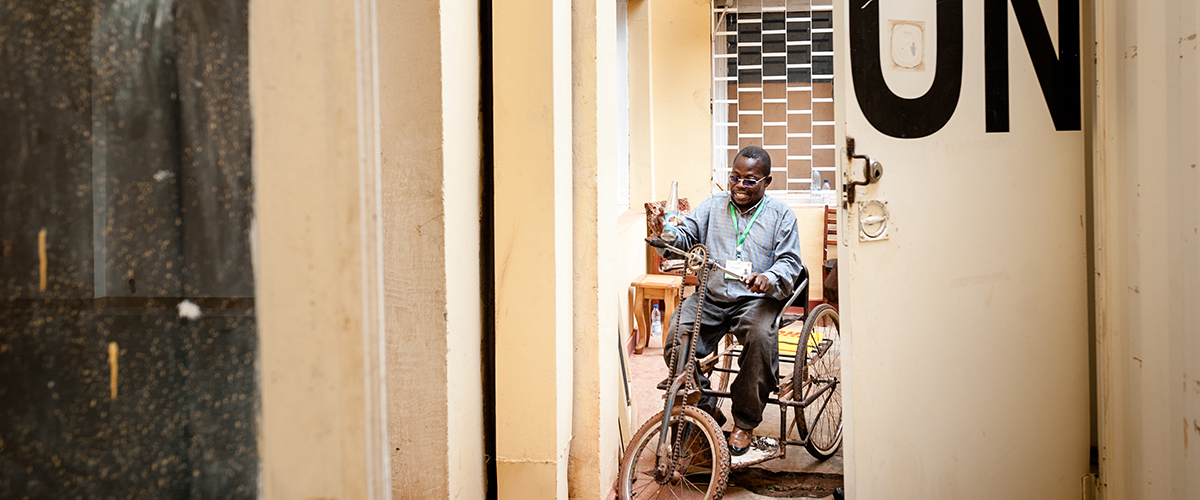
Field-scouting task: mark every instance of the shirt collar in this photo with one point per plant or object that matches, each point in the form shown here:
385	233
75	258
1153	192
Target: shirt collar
748	210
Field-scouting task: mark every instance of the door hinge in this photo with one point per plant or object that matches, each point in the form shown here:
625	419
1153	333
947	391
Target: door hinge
1090	484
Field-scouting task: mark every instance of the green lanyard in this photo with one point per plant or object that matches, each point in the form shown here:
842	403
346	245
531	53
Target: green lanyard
742	239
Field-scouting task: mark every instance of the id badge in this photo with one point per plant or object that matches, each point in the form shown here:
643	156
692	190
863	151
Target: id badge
738	266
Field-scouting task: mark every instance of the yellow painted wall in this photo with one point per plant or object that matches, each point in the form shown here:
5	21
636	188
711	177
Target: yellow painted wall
631	262
595	435
670	88
533	246
640	144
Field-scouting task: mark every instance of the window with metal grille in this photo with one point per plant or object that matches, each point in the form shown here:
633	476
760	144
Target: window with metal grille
773	87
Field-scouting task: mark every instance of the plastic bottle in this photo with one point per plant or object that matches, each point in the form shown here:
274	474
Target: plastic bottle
671	217
656	324
815	187
828	194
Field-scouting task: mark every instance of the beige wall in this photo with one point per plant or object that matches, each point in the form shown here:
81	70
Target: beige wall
1148	249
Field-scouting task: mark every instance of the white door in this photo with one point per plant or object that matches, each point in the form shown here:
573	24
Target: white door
966	316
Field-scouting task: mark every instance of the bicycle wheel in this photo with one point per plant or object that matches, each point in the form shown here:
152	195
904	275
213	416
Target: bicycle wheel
703	467
821	421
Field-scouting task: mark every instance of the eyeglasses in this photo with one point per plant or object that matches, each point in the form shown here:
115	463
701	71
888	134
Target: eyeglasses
745	181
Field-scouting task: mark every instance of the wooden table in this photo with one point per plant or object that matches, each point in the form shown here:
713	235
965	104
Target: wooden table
648	287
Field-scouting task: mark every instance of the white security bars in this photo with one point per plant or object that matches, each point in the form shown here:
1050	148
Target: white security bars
773	87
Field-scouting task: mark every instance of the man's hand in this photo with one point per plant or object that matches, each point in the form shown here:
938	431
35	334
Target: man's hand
757	283
656	223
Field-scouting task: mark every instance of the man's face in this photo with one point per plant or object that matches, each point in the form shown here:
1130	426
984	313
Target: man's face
747	170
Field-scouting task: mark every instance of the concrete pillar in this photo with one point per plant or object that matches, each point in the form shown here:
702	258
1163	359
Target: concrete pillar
429	129
368	266
594	447
313	254
532	103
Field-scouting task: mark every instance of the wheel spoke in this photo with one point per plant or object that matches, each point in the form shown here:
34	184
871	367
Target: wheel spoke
820	425
819	422
695	474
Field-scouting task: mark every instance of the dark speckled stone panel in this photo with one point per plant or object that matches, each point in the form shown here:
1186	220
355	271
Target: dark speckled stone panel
125	135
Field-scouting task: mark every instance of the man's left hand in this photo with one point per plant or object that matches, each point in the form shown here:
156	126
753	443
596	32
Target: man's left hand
757	283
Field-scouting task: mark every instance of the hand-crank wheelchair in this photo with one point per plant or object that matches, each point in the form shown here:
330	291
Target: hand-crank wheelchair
682	452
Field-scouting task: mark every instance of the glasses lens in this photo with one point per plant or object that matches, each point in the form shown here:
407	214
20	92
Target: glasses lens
750	183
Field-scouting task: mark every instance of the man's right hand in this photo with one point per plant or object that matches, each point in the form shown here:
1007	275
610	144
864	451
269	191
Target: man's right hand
757	283
656	242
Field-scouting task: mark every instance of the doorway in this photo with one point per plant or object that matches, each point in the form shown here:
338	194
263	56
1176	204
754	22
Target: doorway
772	86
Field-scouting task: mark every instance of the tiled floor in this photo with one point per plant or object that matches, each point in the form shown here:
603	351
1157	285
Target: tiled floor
648	369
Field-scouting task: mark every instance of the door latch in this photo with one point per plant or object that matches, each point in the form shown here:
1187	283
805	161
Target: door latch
872	220
872	171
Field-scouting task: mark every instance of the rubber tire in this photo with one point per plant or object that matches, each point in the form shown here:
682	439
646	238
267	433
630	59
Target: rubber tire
641	451
802	370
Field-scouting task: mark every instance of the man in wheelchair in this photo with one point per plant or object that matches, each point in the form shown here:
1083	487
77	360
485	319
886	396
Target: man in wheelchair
753	235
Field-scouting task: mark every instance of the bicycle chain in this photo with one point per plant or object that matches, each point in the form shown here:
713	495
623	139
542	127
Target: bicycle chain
697	258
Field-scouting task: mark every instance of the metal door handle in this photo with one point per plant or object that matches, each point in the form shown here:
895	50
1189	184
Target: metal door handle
872	171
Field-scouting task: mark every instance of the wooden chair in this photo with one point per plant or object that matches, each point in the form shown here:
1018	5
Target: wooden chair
829	266
655	264
831	232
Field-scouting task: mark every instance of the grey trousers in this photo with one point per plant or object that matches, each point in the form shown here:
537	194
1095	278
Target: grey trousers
749	320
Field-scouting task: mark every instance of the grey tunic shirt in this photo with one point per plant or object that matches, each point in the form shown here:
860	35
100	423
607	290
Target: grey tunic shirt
772	247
